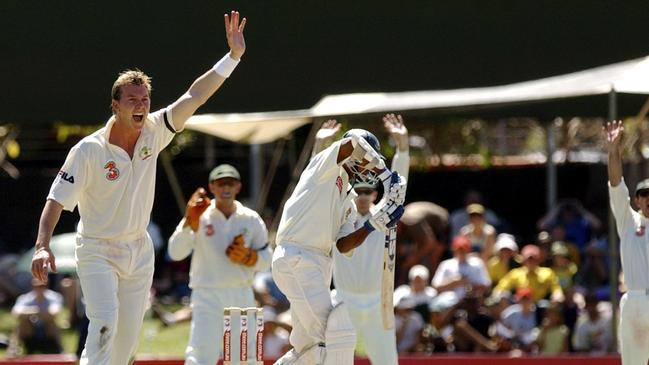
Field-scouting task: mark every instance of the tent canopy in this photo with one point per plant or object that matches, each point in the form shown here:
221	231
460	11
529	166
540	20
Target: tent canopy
631	77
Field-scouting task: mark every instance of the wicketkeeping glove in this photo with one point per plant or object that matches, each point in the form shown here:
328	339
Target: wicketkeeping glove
239	254
198	202
384	218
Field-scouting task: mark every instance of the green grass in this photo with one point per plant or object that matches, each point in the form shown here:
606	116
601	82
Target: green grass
155	339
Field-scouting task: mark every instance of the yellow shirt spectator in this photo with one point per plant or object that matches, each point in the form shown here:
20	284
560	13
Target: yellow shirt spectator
541	280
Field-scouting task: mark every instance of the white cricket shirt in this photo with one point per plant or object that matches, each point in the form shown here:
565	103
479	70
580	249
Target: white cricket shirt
362	272
114	192
320	210
632	227
211	267
473	269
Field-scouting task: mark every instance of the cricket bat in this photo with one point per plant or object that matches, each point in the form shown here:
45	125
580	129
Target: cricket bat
387	279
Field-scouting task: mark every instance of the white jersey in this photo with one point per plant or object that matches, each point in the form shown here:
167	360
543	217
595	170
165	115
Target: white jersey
320	210
473	269
362	272
211	267
634	238
114	192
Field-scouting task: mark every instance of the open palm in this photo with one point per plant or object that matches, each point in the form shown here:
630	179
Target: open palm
234	33
614	131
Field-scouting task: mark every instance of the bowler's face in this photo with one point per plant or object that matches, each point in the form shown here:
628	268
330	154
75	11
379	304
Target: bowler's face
132	108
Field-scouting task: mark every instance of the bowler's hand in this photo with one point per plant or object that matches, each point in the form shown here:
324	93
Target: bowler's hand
43	257
234	34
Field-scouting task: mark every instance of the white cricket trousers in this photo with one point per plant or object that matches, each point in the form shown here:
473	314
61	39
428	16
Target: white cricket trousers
634	327
115	280
206	334
304	277
365	313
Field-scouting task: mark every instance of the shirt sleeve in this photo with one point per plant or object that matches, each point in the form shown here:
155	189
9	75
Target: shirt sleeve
619	199
579	339
71	180
483	276
163	128
181	243
348	226
440	275
325	165
401	163
505	283
260	243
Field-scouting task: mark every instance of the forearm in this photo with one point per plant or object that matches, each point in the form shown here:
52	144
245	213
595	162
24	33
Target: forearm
199	92
49	218
614	166
181	242
353	240
264	257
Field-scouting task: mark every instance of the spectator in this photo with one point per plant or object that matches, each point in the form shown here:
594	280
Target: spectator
421	238
417	292
481	233
518	321
36	311
459	217
408	326
576	221
544	241
275	335
594	271
471	326
593	333
542	281
437	336
554	335
562	265
462	273
505	258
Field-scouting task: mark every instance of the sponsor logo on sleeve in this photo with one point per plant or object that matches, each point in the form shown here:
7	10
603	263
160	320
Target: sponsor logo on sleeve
113	171
640	231
66	177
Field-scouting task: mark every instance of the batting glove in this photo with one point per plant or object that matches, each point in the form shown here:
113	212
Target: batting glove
385	217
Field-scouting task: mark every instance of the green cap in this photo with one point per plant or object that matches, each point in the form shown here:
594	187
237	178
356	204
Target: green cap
224	170
559	248
642	185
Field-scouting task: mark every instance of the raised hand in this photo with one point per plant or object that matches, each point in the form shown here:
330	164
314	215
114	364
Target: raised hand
395	126
614	131
234	34
328	130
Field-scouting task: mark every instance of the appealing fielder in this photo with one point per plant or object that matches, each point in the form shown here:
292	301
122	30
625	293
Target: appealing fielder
110	175
318	216
634	248
229	244
358	279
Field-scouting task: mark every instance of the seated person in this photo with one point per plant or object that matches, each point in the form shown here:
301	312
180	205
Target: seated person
518	322
481	233
35	312
504	259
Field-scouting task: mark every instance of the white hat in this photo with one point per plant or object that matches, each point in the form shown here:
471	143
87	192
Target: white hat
505	240
418	270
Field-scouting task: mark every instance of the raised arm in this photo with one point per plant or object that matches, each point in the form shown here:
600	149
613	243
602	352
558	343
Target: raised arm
325	135
207	84
397	129
614	131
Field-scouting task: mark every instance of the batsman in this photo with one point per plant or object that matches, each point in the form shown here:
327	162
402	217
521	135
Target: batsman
317	219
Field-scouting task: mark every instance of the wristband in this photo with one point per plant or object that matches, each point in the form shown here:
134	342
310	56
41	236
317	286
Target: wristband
225	66
370	228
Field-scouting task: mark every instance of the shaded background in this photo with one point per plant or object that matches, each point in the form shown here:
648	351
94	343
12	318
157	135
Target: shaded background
59	59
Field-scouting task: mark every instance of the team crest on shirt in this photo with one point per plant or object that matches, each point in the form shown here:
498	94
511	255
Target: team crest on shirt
113	171
339	184
640	230
348	213
145	152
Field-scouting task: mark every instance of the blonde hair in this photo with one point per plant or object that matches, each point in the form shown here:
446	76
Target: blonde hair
130	77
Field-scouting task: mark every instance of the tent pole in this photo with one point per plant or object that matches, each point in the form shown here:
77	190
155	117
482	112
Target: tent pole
255	171
165	159
550	168
612	236
270	175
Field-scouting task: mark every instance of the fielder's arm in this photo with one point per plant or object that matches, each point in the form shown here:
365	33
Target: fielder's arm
43	256
207	84
614	131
